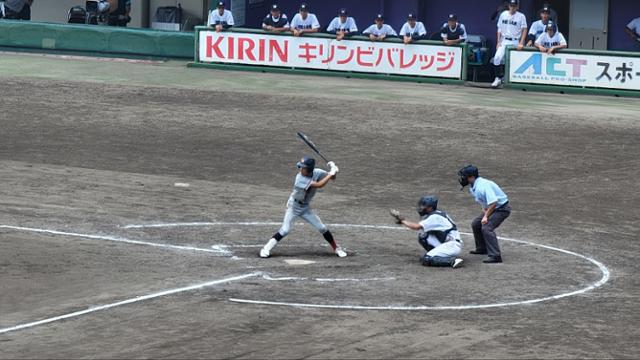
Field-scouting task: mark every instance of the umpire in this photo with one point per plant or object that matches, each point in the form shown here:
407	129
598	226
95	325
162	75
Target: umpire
495	209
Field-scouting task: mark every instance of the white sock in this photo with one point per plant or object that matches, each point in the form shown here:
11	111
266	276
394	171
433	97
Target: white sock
271	244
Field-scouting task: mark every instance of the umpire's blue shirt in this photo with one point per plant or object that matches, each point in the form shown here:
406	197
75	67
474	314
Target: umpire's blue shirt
486	192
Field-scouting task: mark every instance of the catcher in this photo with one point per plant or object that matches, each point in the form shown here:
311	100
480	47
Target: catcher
439	235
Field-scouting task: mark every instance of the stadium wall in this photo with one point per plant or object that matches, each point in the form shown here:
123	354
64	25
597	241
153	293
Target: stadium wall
95	39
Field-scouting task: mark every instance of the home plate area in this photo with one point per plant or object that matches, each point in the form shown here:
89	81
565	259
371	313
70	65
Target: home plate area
382	271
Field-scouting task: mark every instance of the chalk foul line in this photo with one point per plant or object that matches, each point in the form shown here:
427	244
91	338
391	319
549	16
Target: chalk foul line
216	251
130	301
171	292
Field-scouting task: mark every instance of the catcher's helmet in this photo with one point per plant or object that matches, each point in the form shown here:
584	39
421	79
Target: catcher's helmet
465	172
425	202
307	162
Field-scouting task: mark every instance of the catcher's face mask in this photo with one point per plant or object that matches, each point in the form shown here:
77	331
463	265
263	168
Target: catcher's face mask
422	211
462	178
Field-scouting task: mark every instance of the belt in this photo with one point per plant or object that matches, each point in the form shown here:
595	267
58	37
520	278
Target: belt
301	202
503	206
511	39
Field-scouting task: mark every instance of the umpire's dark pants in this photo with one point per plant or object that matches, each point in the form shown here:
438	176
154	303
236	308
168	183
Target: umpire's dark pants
485	235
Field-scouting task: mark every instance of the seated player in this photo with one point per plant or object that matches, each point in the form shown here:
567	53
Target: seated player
379	31
439	235
552	40
220	18
275	21
413	30
304	22
342	25
307	182
453	32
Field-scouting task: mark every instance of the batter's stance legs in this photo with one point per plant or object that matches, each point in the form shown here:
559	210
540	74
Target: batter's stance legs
265	252
310	217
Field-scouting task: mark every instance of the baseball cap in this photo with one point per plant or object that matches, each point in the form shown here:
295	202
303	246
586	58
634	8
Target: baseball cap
513	2
411	16
453	17
545	9
304	7
379	17
306	162
220	3
343	12
275	7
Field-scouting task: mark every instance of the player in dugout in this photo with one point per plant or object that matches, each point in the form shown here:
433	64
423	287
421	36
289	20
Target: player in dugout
304	22
342	25
379	31
275	21
453	32
220	18
413	30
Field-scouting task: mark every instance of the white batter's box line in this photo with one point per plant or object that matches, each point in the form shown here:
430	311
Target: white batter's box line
130	301
323	280
256	246
217	252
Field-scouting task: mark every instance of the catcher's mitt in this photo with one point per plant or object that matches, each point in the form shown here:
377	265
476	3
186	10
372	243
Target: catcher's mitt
396	215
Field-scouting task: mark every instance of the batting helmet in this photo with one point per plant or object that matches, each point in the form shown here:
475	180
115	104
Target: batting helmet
307	162
426	202
465	173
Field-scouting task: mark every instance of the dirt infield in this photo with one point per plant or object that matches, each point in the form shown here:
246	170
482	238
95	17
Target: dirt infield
90	155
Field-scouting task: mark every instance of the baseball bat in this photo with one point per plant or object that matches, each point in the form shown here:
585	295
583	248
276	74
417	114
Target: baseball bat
313	146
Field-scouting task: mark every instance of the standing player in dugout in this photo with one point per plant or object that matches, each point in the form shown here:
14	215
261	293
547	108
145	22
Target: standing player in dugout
512	31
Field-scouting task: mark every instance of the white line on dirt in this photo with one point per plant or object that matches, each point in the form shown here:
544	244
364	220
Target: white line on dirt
251	246
195	224
219	252
602	281
167	293
603	269
270	278
129	301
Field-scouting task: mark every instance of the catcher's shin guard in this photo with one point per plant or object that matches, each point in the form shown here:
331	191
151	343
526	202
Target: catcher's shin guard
438	261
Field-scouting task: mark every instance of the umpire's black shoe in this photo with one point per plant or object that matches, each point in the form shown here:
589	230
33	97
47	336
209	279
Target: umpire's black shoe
478	252
493	260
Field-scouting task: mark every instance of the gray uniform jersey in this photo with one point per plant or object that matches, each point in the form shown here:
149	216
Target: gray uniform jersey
302	193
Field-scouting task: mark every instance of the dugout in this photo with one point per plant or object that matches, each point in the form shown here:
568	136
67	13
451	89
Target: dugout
587	24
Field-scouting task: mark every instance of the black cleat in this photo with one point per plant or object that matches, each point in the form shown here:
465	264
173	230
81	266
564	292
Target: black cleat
493	260
478	252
